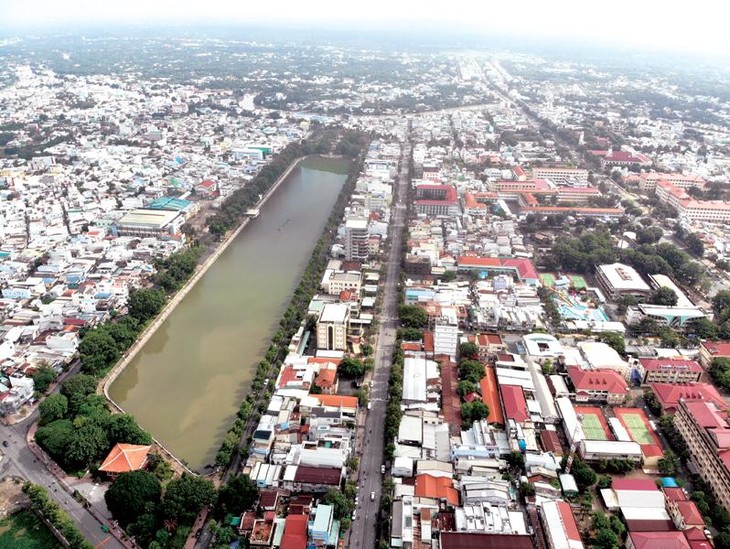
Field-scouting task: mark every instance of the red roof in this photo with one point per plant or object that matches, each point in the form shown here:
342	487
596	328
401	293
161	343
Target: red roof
208	184
669	394
318	475
568	519
469	540
659	364
601	379
125	458
706	414
524	267
675	494
717	348
515	405
337	401
295	532
428	344
642	484
690	513
625	156
551	442
326	378
471	397
428	486
659	540
490	396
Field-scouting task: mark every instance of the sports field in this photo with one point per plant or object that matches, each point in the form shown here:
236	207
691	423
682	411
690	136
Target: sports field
548	279
594	424
579	283
637	428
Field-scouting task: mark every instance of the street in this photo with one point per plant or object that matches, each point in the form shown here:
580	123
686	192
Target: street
364	527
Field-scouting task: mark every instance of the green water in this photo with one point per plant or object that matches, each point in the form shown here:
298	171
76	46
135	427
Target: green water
187	382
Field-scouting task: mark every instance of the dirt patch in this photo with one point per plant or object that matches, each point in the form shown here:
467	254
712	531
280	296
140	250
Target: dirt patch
11	495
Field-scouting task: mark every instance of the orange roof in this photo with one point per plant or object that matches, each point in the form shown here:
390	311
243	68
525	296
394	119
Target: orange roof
124	458
490	396
322	360
325	378
337	401
428	486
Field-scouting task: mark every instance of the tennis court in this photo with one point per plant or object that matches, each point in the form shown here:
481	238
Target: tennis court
579	283
547	279
594	424
637	427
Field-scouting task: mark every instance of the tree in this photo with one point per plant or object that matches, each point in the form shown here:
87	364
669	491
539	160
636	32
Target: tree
79	385
124	428
43	378
465	387
145	304
412	316
694	244
604	481
669	464
98	351
469	350
471	370
664	296
238	495
52	408
186	496
703	328
351	368
721	305
54	438
87	443
473	411
410	334
615	341
606	539
128	497
342	506
583	474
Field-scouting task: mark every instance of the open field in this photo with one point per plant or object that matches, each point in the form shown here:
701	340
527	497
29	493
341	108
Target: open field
23	530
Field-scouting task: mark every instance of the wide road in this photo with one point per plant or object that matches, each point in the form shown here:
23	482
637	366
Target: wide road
19	461
364	527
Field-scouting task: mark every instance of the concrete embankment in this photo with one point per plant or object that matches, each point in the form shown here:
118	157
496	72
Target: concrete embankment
175	300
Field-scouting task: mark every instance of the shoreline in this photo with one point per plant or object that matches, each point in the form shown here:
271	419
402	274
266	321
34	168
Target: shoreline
170	306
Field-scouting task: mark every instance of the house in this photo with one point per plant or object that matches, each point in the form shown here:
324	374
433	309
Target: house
670	394
602	385
124	458
440	488
295	532
207	188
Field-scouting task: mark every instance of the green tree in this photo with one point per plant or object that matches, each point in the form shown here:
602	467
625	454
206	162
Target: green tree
86	444
128	497
410	334
186	496
79	385
604	481
703	328
238	495
54	438
606	539
145	304
342	506
413	316
669	464
664	296
583	474
695	246
351	368
52	408
721	305
471	370
469	350
465	387
124	428
473	411
43	378
615	341
98	351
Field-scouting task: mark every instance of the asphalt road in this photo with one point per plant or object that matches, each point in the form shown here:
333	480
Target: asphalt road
18	460
364	528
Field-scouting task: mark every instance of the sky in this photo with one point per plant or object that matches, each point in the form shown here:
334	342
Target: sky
695	27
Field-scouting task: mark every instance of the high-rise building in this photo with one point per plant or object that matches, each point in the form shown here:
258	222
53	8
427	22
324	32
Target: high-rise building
356	239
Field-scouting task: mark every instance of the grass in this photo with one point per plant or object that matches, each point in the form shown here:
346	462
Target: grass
592	428
334	165
23	530
638	429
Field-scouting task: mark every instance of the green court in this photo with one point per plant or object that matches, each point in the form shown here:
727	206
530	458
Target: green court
579	283
638	429
592	428
547	279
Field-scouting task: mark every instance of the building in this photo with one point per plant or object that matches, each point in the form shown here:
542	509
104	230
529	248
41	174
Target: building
125	458
648	181
341	281
577	211
469	540
670	394
598	385
624	159
437	200
659	370
713	211
445	339
356	240
618	279
147	222
676	317
657	540
710	350
522	269
558	522
705	430
597	450
332	327
562	176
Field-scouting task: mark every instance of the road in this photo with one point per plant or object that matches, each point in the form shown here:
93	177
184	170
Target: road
19	461
364	528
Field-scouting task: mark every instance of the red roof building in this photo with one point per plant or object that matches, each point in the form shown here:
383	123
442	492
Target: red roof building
124	458
658	370
710	350
515	404
295	532
468	540
441	488
669	394
657	540
601	385
490	396
523	269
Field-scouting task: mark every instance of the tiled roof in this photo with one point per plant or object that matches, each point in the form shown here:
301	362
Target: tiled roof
669	394
437	487
515	405
659	540
125	458
597	380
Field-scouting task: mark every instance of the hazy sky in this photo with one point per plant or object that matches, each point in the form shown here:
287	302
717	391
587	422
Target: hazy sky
696	26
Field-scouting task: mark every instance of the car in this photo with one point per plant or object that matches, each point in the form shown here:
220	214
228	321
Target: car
5	443
372	496
370	405
382	469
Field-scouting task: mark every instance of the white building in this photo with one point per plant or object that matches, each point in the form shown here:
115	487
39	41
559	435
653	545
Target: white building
445	340
356	239
618	279
332	327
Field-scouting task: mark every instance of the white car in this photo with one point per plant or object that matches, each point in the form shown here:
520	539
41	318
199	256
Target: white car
382	469
372	496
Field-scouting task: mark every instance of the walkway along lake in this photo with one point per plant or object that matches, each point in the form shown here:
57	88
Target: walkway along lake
186	383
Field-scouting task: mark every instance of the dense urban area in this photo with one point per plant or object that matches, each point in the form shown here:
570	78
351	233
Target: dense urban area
511	330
